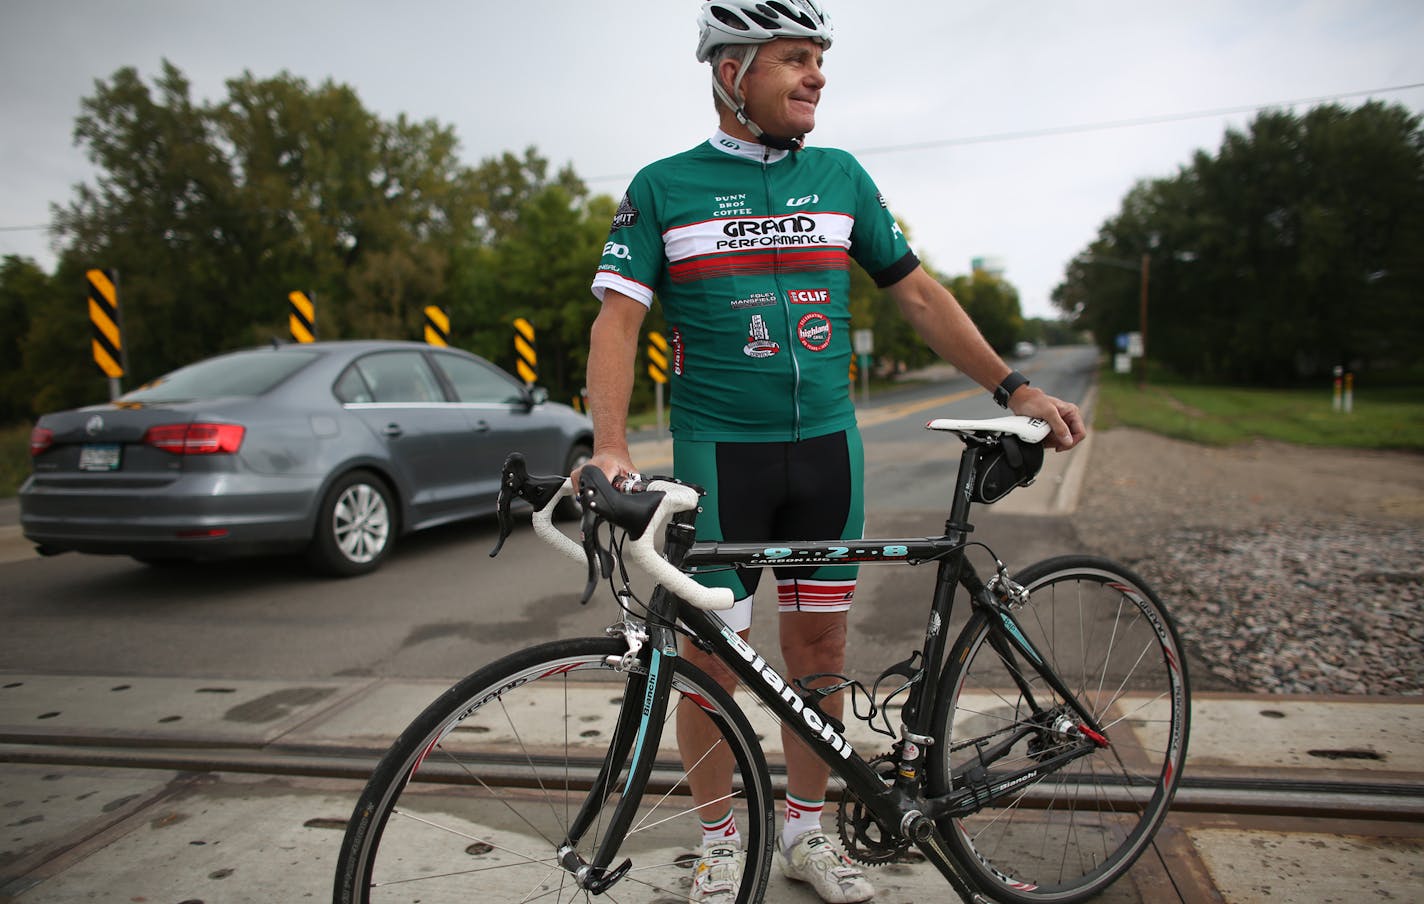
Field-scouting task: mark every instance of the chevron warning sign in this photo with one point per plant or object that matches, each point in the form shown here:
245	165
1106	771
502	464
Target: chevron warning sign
657	357
108	343
526	360
301	316
437	326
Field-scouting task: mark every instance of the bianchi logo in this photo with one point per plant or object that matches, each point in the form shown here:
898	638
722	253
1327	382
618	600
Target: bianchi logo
759	341
626	216
814	331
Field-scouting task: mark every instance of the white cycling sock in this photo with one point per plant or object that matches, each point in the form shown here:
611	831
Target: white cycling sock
801	816
721	831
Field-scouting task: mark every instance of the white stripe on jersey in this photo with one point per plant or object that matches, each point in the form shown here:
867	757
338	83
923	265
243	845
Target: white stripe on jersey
732	235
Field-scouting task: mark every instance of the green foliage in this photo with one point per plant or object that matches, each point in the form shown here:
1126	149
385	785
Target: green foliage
1295	248
14	458
993	305
1381	418
212	213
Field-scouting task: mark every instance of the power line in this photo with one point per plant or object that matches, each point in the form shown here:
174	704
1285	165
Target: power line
1126	123
1095	126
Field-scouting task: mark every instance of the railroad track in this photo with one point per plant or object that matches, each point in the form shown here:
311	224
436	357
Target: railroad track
1306	794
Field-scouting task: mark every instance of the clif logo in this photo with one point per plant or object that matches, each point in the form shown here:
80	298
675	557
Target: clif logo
809	296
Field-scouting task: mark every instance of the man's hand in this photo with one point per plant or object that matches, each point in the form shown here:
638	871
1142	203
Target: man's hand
1065	421
613	465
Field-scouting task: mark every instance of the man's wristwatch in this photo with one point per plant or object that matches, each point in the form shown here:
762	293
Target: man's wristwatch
1006	388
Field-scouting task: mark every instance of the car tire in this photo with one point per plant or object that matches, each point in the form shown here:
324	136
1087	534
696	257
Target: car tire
355	526
568	508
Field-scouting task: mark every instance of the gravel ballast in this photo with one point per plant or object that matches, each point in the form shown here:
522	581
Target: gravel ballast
1289	569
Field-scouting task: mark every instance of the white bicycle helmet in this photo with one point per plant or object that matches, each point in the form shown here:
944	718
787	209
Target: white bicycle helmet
753	23
759	21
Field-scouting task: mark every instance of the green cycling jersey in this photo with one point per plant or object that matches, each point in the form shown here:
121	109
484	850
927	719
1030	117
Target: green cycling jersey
748	250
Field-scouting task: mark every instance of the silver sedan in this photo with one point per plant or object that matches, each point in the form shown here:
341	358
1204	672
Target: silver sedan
332	448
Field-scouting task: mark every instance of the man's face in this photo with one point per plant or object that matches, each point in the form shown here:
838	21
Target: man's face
784	85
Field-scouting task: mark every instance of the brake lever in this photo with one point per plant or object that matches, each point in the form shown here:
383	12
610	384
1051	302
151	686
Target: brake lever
511	481
514	482
593	485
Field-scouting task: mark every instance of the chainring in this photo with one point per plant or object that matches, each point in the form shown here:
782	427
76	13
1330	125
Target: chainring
866	841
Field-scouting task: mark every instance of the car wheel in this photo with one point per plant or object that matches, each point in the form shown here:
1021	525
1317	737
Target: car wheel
355	526
568	508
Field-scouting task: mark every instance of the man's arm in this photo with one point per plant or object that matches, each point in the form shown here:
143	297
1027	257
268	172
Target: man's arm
946	328
612	356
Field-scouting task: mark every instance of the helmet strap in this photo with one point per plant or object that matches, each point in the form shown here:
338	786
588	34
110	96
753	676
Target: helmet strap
737	103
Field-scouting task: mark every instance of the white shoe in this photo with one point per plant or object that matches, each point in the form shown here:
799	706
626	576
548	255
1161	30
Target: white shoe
717	875
815	859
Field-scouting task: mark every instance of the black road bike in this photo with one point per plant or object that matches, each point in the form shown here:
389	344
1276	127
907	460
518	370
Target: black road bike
1033	757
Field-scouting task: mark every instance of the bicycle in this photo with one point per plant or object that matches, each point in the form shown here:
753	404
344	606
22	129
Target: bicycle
1036	756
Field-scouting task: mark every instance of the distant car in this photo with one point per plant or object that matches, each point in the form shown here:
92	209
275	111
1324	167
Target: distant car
1025	349
332	448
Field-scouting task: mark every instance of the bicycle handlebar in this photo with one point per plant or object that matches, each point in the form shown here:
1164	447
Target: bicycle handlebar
639	550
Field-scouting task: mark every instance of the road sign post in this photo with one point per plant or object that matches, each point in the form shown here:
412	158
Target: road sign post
526	362
107	342
658	370
301	316
437	326
863	342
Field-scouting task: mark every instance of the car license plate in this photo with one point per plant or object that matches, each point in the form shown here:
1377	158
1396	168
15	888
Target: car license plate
99	457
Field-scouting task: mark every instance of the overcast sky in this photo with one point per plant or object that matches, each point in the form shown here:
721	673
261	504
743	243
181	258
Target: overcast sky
970	114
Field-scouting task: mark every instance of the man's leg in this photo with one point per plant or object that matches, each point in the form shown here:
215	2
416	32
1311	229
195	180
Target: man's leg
811	643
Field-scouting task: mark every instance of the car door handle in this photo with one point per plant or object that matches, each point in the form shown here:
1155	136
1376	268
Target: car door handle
482	426
393	430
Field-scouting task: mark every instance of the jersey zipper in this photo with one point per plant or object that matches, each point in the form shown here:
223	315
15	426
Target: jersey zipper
785	302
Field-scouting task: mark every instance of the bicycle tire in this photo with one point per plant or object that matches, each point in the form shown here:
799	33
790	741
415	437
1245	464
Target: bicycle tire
1068	834
472	800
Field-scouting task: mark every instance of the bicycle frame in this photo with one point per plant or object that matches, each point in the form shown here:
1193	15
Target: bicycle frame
900	804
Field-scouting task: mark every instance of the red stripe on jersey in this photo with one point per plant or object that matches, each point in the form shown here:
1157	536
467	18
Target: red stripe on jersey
714	266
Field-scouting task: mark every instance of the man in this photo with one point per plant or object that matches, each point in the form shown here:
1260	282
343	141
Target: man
747	240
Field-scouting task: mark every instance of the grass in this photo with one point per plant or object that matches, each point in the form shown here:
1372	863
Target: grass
1389	418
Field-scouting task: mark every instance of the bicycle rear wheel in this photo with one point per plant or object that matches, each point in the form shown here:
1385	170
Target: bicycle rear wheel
475	797
1065	835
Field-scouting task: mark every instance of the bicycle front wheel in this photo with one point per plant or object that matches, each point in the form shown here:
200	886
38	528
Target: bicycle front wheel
1064	835
475	799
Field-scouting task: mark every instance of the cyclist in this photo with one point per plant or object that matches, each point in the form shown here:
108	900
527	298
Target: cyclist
746	240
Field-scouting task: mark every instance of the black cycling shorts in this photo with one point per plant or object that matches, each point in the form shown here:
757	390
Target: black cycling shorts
807	490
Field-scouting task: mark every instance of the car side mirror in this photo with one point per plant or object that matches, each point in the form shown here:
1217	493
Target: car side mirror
537	395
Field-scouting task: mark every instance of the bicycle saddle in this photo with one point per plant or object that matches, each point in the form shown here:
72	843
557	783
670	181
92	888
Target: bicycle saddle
1028	429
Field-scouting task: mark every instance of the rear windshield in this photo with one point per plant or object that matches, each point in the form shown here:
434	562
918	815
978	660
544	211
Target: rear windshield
244	374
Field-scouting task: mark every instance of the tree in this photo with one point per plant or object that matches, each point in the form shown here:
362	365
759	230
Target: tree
1292	250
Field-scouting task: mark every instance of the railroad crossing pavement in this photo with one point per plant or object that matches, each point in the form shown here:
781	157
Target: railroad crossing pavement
194	790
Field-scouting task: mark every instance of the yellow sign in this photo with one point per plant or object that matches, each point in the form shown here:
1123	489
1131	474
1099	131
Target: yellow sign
437	326
107	342
657	357
527	361
301	317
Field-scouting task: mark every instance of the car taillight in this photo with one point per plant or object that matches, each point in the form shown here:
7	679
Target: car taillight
195	439
41	438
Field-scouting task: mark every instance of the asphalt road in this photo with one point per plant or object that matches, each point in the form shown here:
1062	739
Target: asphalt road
441	607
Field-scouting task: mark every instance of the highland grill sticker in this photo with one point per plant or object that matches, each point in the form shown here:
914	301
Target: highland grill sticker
814	331
626	216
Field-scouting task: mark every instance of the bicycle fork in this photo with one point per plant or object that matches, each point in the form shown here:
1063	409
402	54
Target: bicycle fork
632	749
